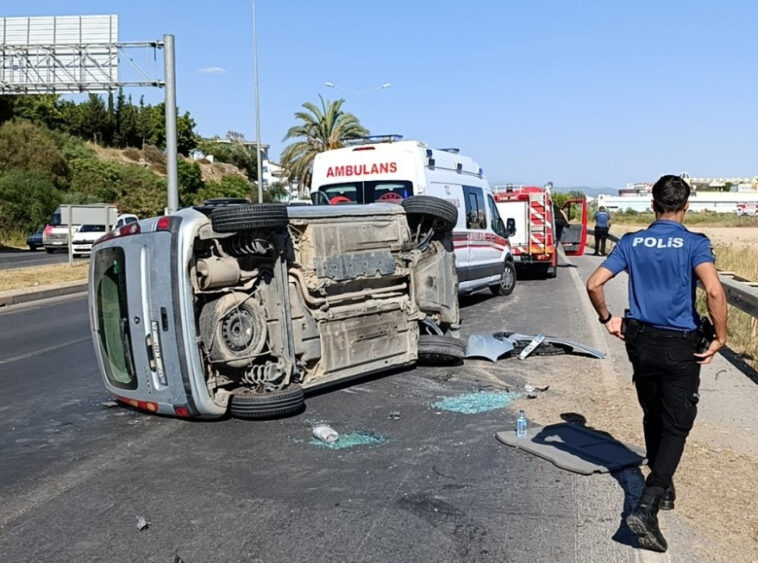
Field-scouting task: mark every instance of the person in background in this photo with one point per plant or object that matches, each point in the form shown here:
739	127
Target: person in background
663	340
560	223
602	224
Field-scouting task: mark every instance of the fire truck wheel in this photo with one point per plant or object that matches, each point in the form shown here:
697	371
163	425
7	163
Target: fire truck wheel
273	404
248	217
507	280
423	205
438	350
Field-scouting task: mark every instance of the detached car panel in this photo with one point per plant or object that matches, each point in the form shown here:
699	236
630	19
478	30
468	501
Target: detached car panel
240	307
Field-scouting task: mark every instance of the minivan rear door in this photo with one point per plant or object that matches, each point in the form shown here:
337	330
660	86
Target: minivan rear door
133	315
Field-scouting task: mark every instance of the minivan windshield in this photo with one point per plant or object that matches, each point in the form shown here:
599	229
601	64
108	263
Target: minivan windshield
392	191
113	317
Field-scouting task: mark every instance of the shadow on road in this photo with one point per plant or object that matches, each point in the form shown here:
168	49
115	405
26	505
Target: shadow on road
630	479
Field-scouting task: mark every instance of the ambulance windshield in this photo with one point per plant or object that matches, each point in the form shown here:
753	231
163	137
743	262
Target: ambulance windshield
386	191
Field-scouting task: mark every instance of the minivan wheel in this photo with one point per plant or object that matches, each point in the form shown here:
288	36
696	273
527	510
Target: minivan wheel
507	280
248	217
272	404
440	350
431	206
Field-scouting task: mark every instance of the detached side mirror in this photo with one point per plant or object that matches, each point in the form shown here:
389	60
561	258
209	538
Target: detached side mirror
510	226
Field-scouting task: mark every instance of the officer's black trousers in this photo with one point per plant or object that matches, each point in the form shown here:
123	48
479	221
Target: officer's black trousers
601	236
667	377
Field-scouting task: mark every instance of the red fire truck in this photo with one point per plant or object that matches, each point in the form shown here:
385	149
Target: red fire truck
531	211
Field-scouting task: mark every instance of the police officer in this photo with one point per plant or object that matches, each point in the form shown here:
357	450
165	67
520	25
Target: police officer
602	224
664	263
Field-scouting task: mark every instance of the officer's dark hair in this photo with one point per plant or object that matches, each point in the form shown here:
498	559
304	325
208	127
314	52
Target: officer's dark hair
670	194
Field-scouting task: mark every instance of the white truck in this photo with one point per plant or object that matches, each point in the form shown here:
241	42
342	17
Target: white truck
67	219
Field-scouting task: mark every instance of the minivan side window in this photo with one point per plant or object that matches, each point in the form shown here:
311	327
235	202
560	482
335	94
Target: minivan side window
476	216
497	221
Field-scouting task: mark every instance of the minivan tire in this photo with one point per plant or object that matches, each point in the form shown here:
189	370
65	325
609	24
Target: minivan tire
440	350
248	217
432	206
507	281
273	404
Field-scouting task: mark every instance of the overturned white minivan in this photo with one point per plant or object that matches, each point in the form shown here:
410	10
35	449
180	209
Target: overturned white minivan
388	169
239	308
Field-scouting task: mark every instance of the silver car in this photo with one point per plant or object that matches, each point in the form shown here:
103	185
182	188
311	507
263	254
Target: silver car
240	308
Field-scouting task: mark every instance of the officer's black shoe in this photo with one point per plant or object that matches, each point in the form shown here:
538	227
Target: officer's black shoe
643	520
669	496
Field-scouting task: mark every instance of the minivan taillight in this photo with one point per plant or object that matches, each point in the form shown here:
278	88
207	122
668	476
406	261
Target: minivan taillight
164	224
126	230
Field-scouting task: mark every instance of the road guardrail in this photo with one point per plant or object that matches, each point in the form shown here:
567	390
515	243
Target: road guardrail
740	293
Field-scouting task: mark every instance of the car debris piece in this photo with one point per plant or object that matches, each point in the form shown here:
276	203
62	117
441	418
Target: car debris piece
532	391
551	344
142	523
325	433
487	346
536	341
394	415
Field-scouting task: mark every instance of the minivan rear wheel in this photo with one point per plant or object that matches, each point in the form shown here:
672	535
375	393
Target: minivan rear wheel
248	217
507	280
440	350
252	405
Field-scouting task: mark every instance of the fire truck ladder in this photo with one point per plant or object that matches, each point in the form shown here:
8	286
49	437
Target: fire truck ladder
538	224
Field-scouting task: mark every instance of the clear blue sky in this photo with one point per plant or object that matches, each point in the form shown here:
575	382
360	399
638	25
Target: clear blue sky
583	93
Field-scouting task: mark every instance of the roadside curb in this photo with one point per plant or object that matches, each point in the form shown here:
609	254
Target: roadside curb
25	295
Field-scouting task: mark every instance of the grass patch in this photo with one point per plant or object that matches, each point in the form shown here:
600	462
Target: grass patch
19	278
700	218
742	329
13	238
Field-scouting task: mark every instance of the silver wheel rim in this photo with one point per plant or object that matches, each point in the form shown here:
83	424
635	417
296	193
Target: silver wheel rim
506	280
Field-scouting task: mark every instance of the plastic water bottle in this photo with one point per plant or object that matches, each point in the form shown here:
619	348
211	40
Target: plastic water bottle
521	424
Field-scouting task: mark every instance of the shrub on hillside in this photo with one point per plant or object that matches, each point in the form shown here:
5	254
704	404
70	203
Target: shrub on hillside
159	168
229	186
132	154
143	192
27	200
25	146
190	180
153	154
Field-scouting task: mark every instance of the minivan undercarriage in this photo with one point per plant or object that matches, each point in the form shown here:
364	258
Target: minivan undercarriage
291	298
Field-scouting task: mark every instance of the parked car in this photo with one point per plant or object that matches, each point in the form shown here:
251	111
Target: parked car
239	308
84	237
34	240
125	219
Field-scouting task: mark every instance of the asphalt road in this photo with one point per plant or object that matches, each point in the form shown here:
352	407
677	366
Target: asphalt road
75	474
27	258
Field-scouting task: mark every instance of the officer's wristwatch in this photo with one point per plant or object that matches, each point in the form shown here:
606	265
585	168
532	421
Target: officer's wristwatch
605	320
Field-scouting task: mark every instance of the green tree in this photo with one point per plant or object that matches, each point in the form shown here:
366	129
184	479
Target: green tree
190	180
320	129
94	119
25	146
27	200
92	177
238	154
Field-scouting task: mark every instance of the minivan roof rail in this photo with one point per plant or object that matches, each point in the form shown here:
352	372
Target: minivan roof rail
368	139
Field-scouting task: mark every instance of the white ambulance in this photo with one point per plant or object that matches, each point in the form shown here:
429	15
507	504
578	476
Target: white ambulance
388	169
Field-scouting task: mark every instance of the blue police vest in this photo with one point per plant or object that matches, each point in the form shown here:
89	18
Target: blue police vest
660	261
602	219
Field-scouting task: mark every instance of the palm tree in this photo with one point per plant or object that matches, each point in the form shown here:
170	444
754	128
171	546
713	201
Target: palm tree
321	129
